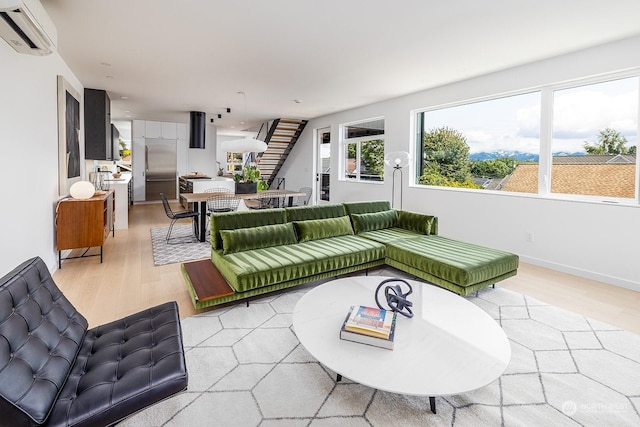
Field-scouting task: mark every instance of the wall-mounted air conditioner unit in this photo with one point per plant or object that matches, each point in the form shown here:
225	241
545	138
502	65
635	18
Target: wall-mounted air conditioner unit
25	25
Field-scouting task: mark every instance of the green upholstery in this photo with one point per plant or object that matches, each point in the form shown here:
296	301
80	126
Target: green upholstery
211	302
267	250
374	221
413	221
234	220
257	268
265	236
367	207
315	229
303	213
420	223
388	235
454	261
460	290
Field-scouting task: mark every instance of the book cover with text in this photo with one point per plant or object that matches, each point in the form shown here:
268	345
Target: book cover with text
377	341
371	321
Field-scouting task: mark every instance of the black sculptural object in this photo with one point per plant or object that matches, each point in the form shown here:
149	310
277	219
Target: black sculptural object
396	300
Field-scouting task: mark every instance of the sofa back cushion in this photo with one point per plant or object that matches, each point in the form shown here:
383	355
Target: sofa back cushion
374	221
367	207
40	336
420	223
244	239
303	213
315	229
235	220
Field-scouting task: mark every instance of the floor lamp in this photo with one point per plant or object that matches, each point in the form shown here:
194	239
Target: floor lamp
397	160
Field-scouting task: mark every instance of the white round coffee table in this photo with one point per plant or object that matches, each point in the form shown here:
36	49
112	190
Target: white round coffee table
449	347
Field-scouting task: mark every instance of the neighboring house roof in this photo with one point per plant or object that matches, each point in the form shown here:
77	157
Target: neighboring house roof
604	179
593	160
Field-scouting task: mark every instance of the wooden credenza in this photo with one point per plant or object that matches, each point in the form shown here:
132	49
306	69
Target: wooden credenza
84	223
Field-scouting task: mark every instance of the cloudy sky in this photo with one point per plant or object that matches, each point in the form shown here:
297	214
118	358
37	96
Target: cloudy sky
513	123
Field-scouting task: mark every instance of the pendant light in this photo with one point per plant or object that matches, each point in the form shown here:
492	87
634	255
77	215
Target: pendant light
244	145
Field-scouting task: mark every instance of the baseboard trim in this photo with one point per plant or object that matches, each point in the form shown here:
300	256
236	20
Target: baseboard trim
611	280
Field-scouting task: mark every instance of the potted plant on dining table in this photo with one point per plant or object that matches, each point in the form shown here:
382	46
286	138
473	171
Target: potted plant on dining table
248	181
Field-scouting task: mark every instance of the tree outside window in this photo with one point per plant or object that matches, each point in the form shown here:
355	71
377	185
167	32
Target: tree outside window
364	150
595	137
496	144
480	144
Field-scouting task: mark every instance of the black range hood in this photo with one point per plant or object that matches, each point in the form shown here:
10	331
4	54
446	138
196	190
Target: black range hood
196	129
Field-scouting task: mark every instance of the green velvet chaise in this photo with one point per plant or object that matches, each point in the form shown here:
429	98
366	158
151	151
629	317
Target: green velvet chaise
262	251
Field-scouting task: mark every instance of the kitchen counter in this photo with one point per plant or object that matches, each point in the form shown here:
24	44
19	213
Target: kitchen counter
120	186
200	184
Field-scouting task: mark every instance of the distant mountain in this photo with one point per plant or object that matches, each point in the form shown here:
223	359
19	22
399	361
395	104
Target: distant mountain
524	157
561	153
501	154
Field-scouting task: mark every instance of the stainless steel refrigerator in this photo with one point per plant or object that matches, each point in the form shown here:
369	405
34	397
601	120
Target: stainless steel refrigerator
160	169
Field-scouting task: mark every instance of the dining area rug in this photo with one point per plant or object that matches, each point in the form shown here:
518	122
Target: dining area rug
183	245
247	368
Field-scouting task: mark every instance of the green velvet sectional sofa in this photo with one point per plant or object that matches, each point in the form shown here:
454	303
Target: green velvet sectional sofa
263	251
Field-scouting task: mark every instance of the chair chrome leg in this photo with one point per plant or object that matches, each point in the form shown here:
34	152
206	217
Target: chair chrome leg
195	226
170	228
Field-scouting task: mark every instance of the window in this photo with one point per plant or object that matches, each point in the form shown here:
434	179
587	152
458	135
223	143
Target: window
589	149
234	162
364	150
479	145
595	137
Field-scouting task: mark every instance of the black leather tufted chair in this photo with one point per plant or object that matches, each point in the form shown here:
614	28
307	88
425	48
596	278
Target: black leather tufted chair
56	372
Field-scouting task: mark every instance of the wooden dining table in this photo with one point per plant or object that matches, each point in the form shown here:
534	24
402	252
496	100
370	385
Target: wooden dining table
199	201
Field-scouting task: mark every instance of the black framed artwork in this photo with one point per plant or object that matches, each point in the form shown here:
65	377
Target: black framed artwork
69	156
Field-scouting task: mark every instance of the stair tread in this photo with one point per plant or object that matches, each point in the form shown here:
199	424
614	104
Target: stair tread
282	136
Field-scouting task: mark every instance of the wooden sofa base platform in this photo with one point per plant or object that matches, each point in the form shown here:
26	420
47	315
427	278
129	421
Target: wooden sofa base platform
206	282
208	287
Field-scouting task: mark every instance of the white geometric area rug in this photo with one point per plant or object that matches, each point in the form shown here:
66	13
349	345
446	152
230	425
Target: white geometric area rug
184	245
247	368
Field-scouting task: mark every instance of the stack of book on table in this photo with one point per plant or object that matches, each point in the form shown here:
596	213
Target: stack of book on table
369	325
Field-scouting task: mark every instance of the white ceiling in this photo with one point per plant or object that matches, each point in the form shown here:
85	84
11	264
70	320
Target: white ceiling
168	57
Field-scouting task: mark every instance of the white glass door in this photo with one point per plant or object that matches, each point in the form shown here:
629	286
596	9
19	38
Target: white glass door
323	165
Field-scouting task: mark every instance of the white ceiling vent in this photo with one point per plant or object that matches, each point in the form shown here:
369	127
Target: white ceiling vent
25	25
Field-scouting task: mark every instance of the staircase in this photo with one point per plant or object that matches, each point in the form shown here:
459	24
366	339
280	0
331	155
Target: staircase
280	139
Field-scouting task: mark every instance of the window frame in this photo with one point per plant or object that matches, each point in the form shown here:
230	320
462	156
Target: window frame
344	143
546	140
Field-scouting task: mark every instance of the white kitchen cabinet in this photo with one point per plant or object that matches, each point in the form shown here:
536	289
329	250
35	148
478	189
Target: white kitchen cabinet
120	187
152	129
183	148
138	129
160	130
169	131
182	156
137	164
147	130
182	130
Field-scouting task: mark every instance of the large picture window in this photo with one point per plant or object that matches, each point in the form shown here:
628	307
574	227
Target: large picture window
595	137
363	144
588	150
479	145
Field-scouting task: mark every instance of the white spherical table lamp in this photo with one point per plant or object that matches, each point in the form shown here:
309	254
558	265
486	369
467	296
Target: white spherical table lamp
397	160
82	190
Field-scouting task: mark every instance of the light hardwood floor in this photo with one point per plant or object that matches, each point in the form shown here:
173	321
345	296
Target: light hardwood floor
127	281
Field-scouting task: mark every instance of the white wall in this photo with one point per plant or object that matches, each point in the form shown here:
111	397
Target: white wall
188	160
593	240
29	141
204	160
